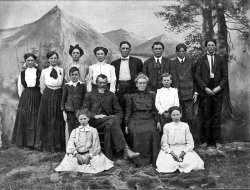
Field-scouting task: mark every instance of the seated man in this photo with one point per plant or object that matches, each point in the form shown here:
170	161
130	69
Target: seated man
105	112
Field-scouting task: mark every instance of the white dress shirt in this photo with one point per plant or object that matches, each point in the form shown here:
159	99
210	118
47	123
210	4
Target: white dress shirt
102	68
30	79
124	69
160	59
209	57
181	59
47	81
166	98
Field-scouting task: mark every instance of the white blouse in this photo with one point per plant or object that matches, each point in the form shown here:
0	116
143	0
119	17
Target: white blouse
83	139
30	79
102	68
166	98
177	134
47	81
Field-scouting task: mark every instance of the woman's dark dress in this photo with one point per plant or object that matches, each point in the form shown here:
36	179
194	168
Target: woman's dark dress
141	118
24	133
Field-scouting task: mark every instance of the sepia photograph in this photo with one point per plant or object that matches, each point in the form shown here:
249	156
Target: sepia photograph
132	94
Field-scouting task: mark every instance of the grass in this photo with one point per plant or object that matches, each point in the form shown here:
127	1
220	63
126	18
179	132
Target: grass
228	168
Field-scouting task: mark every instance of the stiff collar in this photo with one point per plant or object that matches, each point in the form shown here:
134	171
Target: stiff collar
70	83
180	60
125	58
160	59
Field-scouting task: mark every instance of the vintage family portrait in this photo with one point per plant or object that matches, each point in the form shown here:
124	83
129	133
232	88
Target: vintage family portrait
126	94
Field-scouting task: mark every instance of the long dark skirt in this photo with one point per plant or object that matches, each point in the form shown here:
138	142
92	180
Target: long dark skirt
25	127
51	125
144	138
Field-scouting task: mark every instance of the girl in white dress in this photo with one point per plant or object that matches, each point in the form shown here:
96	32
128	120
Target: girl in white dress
177	147
83	150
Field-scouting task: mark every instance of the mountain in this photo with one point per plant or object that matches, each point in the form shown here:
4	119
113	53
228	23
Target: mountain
55	30
116	36
146	47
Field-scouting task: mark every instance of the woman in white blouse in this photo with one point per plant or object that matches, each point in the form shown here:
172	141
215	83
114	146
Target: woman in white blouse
177	146
50	133
30	96
101	67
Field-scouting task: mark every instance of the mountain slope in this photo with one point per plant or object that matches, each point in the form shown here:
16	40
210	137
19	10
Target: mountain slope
55	29
146	47
116	36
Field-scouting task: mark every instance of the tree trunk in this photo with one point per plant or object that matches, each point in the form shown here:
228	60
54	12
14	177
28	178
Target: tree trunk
207	26
223	50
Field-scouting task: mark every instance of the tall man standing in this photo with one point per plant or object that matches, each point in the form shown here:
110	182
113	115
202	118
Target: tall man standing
211	74
126	70
106	113
155	66
184	81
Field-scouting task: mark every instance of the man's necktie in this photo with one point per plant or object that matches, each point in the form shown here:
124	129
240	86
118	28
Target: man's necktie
53	74
124	59
182	62
212	62
158	65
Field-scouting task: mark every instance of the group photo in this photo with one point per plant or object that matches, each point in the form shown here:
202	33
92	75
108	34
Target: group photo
124	95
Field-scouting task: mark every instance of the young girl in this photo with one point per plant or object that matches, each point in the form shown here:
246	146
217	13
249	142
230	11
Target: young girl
166	97
27	112
84	150
177	147
51	126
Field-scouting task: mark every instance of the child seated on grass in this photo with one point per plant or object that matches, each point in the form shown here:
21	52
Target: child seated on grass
83	152
177	147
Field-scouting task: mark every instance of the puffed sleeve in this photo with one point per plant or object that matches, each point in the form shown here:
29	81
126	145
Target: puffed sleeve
189	139
154	110
129	108
96	147
112	79
158	102
89	79
176	98
164	141
42	81
20	87
71	148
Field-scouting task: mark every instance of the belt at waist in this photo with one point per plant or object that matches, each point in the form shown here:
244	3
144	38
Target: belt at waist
124	81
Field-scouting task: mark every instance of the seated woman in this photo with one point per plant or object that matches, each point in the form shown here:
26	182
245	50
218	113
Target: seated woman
101	67
83	150
177	147
142	123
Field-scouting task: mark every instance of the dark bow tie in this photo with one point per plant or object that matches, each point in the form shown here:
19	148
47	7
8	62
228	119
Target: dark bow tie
124	59
53	74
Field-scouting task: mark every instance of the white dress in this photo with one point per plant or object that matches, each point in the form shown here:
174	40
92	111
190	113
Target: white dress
177	138
84	140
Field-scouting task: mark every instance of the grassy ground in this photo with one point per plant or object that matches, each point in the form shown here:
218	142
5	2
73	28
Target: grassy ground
227	168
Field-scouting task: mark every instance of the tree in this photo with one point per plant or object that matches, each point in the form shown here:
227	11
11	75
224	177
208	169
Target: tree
217	18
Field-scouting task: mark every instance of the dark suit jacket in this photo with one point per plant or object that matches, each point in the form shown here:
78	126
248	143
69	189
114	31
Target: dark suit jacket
135	67
149	69
202	74
72	97
184	79
95	102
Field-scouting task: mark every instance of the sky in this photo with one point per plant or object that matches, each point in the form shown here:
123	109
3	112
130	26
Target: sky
104	16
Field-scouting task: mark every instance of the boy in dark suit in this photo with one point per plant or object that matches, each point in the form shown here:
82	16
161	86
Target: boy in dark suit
211	74
184	81
155	66
72	98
